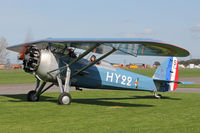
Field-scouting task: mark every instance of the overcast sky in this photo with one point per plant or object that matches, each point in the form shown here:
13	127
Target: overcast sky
172	21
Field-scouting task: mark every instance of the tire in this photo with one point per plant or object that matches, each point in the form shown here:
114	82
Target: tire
64	99
31	96
159	96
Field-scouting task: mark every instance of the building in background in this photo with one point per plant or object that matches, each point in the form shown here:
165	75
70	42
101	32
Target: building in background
2	66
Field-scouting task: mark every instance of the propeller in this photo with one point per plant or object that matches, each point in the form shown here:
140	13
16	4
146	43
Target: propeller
22	52
27	40
30	55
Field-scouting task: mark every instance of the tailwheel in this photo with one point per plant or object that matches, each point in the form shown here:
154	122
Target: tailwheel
64	98
158	96
31	96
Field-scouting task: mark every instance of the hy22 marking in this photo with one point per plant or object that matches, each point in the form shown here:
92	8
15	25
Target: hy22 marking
124	80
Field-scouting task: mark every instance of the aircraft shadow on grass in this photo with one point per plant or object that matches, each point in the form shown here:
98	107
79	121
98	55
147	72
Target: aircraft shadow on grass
106	102
92	101
152	97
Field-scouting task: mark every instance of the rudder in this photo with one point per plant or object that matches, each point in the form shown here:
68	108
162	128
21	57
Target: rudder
166	74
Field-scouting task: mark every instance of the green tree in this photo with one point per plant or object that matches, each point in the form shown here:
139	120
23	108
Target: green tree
156	63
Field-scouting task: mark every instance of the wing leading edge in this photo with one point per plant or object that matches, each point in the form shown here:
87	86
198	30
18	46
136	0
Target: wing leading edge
133	46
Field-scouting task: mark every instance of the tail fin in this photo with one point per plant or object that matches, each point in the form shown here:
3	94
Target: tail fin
166	76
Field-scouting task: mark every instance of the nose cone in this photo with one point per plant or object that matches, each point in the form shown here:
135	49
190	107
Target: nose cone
48	63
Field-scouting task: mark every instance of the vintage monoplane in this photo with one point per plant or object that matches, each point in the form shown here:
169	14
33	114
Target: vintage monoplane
55	60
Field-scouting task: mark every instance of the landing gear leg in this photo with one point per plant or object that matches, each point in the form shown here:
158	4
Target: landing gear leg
65	97
34	95
158	96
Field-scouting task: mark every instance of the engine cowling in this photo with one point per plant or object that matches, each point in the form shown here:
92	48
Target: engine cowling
48	62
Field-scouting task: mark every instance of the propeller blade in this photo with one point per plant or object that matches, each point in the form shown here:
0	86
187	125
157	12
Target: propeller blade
22	53
27	39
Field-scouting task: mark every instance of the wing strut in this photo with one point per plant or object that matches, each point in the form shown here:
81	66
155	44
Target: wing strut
94	62
75	60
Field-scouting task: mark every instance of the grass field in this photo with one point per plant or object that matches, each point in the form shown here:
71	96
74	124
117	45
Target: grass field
95	111
189	86
16	76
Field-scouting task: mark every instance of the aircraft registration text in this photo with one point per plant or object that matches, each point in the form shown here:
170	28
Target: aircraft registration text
118	78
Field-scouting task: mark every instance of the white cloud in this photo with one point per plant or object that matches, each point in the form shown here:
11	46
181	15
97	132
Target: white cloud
148	31
196	28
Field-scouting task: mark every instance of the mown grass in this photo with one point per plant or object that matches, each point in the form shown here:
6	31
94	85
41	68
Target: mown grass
98	111
17	76
189	86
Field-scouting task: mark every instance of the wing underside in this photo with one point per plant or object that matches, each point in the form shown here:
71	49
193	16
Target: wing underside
129	46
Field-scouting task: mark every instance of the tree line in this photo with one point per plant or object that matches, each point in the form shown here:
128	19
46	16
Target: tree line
191	61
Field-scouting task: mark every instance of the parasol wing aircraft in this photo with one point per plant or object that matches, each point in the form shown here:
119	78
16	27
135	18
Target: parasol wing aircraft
54	60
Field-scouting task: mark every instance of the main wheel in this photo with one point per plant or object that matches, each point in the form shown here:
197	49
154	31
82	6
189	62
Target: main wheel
32	97
64	98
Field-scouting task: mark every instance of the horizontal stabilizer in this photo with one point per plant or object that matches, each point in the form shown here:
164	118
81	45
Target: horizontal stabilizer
169	81
186	83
